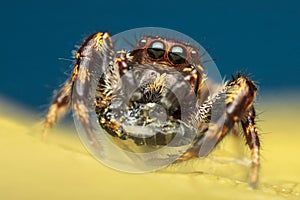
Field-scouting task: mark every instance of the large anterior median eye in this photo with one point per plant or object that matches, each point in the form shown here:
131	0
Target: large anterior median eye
156	50
177	55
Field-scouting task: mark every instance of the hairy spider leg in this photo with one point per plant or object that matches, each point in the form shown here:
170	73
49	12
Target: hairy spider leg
59	107
97	45
251	135
238	97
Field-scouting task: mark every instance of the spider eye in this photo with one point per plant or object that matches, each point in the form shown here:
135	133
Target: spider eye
142	42
177	55
194	55
156	50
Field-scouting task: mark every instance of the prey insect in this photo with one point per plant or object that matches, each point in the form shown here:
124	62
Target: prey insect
145	97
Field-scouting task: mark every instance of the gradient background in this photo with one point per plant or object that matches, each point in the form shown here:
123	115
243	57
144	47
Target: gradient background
261	37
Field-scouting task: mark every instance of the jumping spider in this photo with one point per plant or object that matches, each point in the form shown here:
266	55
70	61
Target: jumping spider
132	88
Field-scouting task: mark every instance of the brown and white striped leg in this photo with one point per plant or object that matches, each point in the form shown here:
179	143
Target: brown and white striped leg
252	139
237	97
59	107
95	45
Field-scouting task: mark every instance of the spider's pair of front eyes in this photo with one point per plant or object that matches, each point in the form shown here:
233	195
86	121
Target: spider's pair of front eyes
176	54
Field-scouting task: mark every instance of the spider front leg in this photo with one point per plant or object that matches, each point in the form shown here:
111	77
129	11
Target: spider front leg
217	116
92	58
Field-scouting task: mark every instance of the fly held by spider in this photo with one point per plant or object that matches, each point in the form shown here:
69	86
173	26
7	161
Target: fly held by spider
143	101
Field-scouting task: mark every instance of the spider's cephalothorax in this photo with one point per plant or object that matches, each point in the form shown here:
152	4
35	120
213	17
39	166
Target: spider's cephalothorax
160	89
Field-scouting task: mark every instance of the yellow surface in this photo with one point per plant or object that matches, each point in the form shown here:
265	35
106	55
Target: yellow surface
62	168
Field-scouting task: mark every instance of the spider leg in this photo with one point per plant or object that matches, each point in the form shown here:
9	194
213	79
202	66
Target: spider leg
217	116
95	58
98	46
210	131
252	140
59	107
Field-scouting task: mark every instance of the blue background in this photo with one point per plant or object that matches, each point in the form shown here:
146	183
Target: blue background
261	37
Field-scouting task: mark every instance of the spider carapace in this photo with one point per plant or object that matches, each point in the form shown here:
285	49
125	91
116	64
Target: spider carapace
161	87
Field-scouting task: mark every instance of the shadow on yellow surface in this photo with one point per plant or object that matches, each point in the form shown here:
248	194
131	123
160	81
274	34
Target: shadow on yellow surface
62	169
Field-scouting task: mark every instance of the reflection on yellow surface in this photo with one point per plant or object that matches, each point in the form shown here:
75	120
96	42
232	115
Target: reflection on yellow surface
62	169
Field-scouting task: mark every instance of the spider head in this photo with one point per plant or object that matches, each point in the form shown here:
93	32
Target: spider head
166	55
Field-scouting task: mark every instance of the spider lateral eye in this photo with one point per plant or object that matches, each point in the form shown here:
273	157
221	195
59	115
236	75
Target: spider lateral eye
194	53
142	42
177	55
156	50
